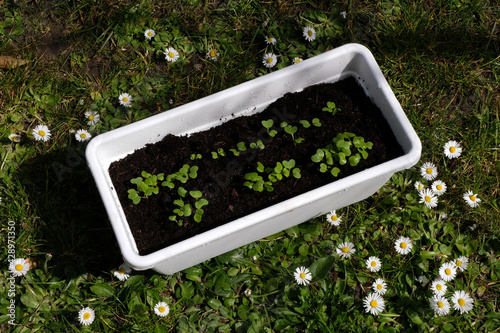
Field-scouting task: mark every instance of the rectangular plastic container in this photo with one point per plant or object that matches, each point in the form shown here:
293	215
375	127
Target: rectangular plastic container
248	98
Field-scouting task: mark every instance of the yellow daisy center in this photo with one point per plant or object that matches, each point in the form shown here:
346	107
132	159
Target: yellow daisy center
439	287
458	263
472	197
212	53
297	60
334	218
121	270
171	54
302	276
345	249
161	309
19	267
447	271
125	99
42	133
310	33
150	33
439	187
86	315
428	198
270	39
429	170
452	149
461	302
440	304
379	286
373	263
269	60
83	135
403	245
91	117
373	304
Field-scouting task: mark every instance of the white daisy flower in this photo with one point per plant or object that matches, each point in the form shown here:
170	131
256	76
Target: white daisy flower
333	218
171	54
373	264
461	263
82	135
440	305
149	33
212	54
462	301
296	60
379	286
123	272
374	303
309	33
270	40
428	197
248	292
471	199
447	271
403	245
429	171
345	250
452	149
41	132
438	287
14	137
302	275
86	316
19	267
419	186
438	187
162	309
125	100
93	117
269	60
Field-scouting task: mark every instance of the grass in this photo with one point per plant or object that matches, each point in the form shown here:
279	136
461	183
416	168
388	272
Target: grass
440	57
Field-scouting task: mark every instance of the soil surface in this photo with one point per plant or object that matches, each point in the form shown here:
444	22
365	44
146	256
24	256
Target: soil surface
221	180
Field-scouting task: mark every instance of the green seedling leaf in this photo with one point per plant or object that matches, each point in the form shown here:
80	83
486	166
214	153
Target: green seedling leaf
200	203
193	172
182	191
273	133
316	122
187	210
296	173
260	167
354	160
195	194
335	171
305	123
241	146
235	152
289	164
299	140
267	124
323	167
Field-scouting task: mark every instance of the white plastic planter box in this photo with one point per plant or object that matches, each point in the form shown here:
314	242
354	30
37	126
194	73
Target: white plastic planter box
249	98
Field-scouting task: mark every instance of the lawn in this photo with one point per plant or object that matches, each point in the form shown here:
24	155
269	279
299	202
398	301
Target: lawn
71	59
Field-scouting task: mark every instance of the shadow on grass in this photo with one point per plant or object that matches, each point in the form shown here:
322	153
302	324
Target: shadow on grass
73	225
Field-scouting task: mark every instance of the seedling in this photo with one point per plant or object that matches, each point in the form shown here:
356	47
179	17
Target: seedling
186	209
182	176
146	185
258	144
331	107
195	157
241	147
268	124
256	182
216	154
282	169
291	130
341	152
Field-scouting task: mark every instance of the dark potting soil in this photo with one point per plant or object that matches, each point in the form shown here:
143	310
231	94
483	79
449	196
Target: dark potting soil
221	180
